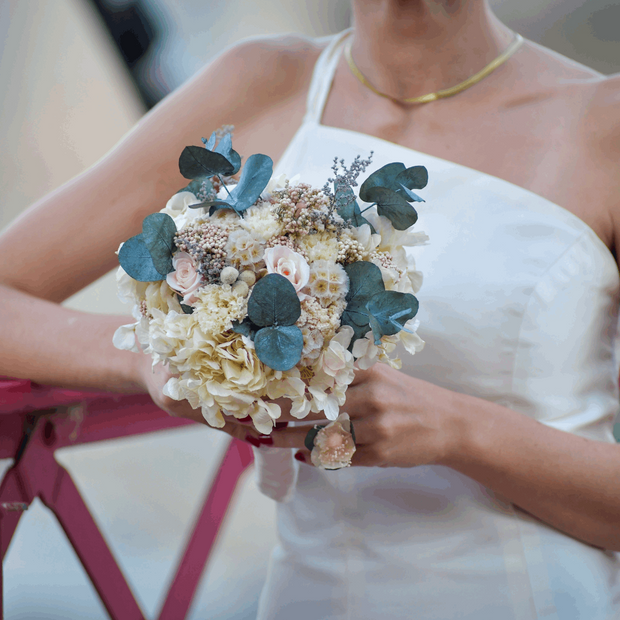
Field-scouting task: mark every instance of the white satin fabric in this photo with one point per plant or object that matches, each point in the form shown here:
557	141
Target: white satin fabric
519	306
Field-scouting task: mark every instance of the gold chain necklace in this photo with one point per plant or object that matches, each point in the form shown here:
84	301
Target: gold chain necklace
440	94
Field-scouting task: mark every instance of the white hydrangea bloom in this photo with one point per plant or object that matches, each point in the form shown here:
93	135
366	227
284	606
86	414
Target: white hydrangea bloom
129	291
364	236
332	374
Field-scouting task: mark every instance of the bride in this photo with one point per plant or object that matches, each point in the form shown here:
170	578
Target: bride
485	482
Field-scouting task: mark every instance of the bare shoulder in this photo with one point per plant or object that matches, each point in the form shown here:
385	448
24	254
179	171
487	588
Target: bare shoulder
601	126
554	68
258	73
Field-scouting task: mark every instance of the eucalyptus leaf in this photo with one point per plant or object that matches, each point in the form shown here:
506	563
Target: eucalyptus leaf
365	281
136	260
254	178
198	162
347	207
311	436
389	311
415	177
210	143
273	301
393	206
225	148
280	346
245	328
158	230
409	195
186	309
384	177
198	186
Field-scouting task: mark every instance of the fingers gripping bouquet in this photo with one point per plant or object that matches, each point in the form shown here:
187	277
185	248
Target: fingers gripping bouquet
262	288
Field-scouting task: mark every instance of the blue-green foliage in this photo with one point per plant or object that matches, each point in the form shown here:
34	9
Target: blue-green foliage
254	178
245	328
198	162
393	206
365	281
147	257
370	306
204	167
158	232
311	436
200	185
389	311
186	309
225	148
347	206
273	308
390	188
136	260
279	347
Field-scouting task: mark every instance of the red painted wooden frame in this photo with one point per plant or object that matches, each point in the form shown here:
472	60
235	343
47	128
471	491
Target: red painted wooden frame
37	420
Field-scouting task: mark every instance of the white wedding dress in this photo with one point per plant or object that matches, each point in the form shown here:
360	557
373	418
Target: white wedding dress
519	306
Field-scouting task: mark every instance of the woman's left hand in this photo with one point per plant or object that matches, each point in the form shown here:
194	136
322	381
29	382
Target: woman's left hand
399	421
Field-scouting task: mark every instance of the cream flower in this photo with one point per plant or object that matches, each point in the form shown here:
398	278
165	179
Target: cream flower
262	221
184	279
290	264
217	307
242	248
178	209
364	236
320	246
125	338
160	296
130	291
328	281
332	374
180	201
411	341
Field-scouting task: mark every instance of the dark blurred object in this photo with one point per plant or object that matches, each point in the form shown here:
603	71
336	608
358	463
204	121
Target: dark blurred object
132	31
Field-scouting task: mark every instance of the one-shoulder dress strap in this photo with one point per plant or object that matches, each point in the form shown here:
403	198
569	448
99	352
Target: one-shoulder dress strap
322	77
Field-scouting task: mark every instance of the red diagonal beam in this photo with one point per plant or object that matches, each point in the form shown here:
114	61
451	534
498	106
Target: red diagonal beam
40	475
237	458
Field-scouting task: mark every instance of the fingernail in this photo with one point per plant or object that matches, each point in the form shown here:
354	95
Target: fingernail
266	441
300	457
278	425
252	440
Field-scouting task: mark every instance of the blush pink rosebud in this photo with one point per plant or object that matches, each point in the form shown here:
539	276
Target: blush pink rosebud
290	264
184	279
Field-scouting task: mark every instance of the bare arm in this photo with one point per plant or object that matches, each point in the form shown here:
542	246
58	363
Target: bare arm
68	239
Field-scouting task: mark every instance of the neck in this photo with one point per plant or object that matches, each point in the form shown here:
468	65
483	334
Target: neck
407	48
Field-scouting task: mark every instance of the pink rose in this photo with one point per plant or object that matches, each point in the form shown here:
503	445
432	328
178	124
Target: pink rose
291	265
185	279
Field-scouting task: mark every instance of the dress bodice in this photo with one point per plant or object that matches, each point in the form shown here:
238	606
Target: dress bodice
519	306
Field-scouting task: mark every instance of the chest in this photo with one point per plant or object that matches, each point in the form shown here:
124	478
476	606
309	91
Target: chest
537	142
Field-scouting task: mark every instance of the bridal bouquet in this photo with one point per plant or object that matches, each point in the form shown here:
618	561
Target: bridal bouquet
263	288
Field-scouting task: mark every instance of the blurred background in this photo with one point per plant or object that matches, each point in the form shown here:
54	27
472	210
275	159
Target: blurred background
75	75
